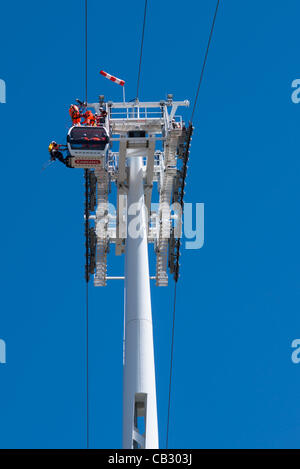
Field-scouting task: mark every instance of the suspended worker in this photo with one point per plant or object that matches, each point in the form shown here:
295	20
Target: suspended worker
89	118
55	154
75	114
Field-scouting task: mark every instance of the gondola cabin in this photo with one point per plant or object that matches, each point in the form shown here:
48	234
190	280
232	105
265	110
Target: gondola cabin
87	146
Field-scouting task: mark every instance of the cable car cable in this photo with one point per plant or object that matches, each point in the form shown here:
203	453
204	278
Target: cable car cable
171	365
86	50
87	365
175	290
87	244
86	234
141	51
205	59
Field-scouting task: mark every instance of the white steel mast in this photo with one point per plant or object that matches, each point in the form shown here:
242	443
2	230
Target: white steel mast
140	427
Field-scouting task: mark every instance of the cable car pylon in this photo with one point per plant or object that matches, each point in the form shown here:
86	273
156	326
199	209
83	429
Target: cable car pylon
135	146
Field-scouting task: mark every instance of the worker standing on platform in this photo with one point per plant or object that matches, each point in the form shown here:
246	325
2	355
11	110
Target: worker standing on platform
100	118
89	118
75	114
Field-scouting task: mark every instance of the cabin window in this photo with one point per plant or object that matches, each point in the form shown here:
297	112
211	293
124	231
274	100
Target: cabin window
88	138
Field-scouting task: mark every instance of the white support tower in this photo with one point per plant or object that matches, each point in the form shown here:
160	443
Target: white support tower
143	143
139	395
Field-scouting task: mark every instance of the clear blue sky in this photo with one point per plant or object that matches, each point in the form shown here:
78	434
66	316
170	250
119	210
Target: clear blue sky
238	307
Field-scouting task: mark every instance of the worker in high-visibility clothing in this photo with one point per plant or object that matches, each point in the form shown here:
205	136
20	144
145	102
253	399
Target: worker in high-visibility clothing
75	114
55	154
89	118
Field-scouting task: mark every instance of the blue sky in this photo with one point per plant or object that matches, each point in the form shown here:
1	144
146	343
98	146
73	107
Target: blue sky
238	305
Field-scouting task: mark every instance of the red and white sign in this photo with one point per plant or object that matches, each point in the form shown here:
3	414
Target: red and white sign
112	78
93	162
